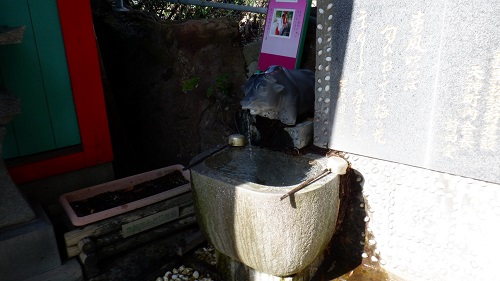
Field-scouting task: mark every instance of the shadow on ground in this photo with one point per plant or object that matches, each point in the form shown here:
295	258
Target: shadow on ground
344	256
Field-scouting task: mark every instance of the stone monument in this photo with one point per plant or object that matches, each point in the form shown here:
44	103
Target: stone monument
13	207
415	83
410	90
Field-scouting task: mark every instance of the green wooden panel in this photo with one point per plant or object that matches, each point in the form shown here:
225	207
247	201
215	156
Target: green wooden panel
21	75
51	53
37	72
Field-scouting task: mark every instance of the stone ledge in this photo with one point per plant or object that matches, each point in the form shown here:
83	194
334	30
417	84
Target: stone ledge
29	248
69	271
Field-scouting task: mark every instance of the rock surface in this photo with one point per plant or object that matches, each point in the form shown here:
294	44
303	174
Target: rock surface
159	80
173	87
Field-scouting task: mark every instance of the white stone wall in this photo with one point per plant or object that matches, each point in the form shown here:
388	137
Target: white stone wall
429	225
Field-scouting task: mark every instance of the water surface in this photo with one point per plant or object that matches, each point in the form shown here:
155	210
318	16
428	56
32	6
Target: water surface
262	166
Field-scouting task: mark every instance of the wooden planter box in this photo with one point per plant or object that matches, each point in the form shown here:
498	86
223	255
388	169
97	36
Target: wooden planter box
155	223
154	219
120	184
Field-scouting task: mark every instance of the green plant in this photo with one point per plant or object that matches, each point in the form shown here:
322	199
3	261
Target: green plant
177	11
190	84
221	87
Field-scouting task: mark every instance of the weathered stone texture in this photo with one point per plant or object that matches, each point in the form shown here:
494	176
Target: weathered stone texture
174	87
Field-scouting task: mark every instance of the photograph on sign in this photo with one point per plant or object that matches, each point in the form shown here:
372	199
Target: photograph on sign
283	36
282	23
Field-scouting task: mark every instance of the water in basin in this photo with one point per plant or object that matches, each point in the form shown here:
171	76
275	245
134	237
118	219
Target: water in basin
263	166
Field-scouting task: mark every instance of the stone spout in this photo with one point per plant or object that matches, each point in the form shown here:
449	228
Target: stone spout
279	93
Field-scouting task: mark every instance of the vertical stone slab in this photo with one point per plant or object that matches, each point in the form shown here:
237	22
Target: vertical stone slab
392	82
465	137
14	209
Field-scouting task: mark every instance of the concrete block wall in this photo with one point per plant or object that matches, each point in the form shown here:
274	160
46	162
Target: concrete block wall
429	225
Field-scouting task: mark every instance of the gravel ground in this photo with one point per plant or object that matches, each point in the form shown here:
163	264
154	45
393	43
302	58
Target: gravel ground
154	259
200	268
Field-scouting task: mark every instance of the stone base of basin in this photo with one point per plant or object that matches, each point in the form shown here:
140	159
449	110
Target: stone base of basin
233	270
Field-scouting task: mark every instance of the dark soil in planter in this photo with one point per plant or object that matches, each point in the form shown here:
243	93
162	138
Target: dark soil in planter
117	198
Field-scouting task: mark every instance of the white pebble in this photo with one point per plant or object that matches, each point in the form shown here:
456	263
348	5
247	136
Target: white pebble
196	274
159	279
187	271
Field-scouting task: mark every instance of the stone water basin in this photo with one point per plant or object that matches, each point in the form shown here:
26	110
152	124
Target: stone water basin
237	197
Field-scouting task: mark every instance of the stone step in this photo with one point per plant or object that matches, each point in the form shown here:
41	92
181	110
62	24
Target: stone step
68	271
28	249
14	209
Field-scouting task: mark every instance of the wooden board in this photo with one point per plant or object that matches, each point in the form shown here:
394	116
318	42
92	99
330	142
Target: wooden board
114	224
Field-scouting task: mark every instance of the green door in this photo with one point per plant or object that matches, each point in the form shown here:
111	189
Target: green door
37	72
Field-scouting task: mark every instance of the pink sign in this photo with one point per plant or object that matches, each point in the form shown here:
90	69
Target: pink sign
281	44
